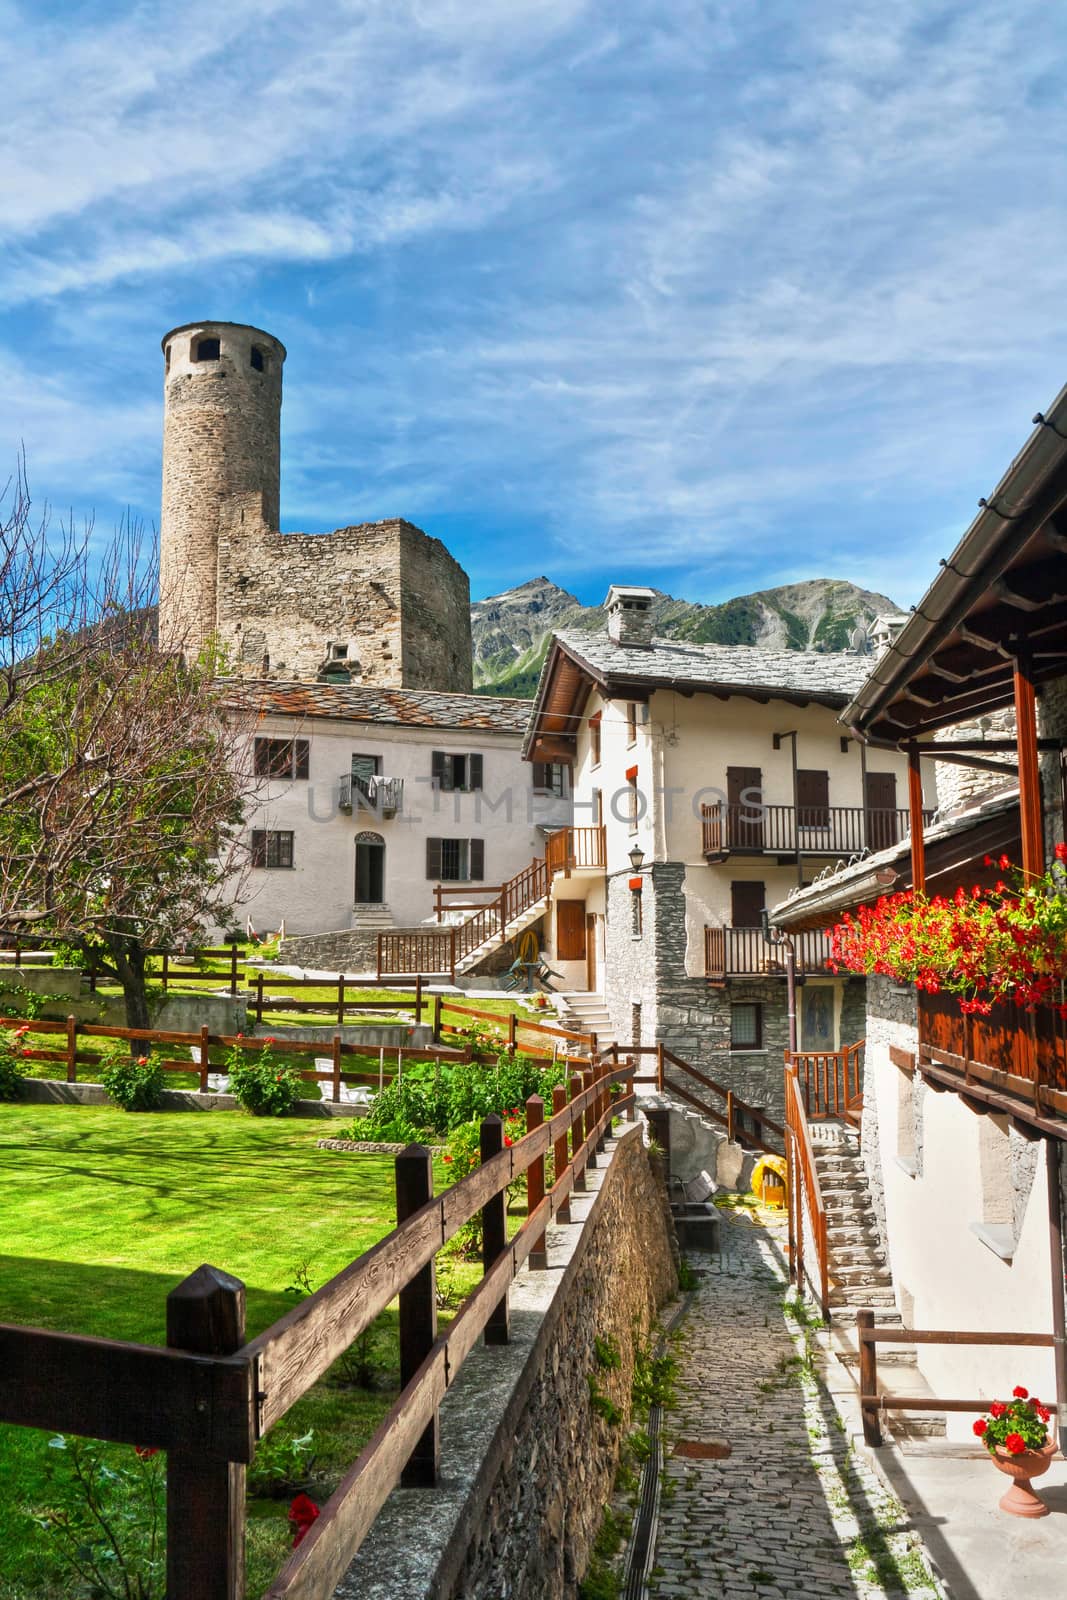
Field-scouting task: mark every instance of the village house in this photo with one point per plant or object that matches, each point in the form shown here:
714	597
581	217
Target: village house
959	1165
707	780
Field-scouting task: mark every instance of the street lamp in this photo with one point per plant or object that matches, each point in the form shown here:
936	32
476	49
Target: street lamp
637	858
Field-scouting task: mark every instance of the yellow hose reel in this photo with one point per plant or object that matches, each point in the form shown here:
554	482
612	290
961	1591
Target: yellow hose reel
769	1180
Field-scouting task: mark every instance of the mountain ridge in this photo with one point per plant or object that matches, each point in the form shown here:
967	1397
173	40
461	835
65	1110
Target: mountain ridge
510	631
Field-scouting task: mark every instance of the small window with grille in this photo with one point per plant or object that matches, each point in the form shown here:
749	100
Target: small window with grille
746	1026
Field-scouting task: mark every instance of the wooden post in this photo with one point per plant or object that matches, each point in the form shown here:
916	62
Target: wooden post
730	1115
577	1136
437	900
418	1311
340	999
259	998
535	1182
494	1229
165	972
205	1059
915	807
512	1033
379	958
233	970
659	1067
790	1186
589	1082
1033	844
452	952
872	1431
205	1497
336	1093
418	998
559	1151
72	1050
438	1001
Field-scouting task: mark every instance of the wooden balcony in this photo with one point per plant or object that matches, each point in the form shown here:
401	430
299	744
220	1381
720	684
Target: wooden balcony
739	829
1011	1055
576	849
745	953
383	797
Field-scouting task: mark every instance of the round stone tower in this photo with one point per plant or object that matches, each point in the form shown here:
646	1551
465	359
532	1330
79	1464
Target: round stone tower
222	401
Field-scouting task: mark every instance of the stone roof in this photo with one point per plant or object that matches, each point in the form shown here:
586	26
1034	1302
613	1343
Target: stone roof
831	676
410	708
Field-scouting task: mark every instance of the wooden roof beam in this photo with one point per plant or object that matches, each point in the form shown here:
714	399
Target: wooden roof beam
982	641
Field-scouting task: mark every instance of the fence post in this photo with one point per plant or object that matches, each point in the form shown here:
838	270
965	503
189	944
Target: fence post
418	998
437	1003
559	1151
340	999
603	1101
452	952
337	1069
379	958
494	1229
205	1497
512	1033
72	1050
577	1135
589	1082
730	1115
659	1066
205	1060
418	1312
233	971
872	1430
535	1182
259	998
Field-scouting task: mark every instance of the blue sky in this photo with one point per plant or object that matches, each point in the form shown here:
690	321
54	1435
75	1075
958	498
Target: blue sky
712	296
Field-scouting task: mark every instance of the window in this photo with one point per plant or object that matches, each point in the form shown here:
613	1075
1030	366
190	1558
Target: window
257	360
631	722
637	917
364	768
747	901
271	848
594	739
813	799
206	350
339	652
282	758
455	860
633	800
906	1122
746	1026
550	777
456	772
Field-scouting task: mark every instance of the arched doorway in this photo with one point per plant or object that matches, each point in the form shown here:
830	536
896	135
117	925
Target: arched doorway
370	869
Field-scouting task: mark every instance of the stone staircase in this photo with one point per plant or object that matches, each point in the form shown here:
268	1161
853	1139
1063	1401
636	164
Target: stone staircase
372	918
512	929
860	1276
586	1013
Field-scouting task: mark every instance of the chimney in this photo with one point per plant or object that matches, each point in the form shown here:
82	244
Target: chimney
630	616
884	630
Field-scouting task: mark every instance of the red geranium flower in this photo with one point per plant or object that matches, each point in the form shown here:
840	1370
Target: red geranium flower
302	1513
980	1426
1020	1393
1015	1444
146	1451
1061	852
997	1409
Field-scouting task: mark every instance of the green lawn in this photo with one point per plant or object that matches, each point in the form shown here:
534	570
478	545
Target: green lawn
104	1212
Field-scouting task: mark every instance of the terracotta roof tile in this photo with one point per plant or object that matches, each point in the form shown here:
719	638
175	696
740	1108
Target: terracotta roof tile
412	708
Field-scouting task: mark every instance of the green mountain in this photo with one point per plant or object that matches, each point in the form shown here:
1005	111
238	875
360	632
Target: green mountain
510	631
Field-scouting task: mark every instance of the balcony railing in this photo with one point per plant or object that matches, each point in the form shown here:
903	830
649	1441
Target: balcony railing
1009	1050
745	953
383	796
572	848
813	830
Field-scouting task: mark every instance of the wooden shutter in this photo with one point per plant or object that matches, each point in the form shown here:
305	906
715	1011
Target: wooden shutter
542	778
302	762
259	847
433	859
813	798
476	857
744	825
570	930
747	900
880	802
440	770
475	765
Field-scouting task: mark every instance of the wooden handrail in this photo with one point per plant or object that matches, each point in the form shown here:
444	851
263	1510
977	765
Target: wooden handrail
831	1080
804	1186
728	1097
809	830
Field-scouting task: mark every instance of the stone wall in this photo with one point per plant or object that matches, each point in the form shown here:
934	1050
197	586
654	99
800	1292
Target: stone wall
892	1019
1052	723
345	950
391	596
960	787
527	1464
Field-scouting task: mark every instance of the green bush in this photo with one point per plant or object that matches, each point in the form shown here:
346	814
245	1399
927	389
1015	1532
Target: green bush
414	1106
12	1070
264	1087
282	1463
136	1084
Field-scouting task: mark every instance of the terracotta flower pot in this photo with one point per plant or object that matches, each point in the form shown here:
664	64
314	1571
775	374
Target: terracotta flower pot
1020	1500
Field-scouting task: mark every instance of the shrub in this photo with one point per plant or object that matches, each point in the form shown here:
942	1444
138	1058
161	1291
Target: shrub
264	1087
105	1517
136	1084
282	1463
11	1069
413	1106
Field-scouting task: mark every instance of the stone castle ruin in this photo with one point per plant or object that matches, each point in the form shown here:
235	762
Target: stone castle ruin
378	603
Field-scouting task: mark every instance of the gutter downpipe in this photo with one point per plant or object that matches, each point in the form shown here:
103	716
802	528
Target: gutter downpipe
1059	1315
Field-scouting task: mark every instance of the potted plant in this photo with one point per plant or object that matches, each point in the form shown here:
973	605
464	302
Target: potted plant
1016	1435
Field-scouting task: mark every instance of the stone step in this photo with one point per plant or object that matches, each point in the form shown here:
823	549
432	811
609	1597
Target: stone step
860	1274
856	1236
876	1297
857	1255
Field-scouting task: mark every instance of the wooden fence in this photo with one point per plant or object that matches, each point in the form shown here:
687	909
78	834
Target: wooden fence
804	1196
830	1081
513	1026
870	1337
746	1123
211	1394
346	996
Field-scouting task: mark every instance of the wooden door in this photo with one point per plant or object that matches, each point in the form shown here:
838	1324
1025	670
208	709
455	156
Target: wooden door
370	872
813	798
747	901
880	804
744	809
590	952
570	930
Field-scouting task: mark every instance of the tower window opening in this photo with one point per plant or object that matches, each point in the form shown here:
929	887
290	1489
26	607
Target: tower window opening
206	350
339	652
166	362
257	360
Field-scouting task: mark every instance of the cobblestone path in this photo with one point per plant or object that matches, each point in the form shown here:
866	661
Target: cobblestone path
794	1510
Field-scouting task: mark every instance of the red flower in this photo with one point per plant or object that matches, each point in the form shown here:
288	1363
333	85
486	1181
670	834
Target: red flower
1020	1393
508	1141
447	1160
142	1061
146	1451
302	1513
1004	863
980	1426
1061	852
997	1409
1015	1444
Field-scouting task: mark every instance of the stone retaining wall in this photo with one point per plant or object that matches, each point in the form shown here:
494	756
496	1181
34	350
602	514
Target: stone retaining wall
527	1465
